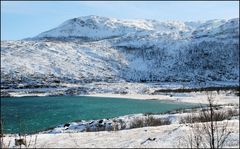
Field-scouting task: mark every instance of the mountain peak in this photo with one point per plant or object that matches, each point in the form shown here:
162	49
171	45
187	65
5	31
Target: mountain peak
88	27
97	27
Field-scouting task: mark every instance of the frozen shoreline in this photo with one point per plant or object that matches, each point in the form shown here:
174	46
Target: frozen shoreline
196	98
222	97
133	90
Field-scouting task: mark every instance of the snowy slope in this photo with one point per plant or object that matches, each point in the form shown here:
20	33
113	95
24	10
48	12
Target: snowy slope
95	27
92	48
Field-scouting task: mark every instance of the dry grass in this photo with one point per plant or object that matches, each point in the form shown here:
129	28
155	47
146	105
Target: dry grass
149	121
217	116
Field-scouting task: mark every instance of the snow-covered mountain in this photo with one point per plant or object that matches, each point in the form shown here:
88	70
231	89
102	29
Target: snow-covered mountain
93	48
95	27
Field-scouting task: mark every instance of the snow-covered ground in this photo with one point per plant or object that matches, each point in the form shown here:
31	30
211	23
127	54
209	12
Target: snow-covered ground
193	97
134	90
141	91
170	136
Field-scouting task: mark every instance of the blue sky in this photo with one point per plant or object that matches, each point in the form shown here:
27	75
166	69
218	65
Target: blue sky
26	19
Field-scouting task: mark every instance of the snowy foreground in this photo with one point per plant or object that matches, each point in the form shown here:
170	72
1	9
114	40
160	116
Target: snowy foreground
161	136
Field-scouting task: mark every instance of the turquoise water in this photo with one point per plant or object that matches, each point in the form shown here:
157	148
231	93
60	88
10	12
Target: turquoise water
33	114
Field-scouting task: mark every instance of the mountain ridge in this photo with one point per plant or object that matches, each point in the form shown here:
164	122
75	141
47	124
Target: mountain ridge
79	27
93	49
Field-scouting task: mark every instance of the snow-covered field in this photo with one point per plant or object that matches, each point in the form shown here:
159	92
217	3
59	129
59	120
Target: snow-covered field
170	136
194	97
135	90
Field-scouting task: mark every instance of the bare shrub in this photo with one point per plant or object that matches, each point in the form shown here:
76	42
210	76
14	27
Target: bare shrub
201	117
148	113
209	133
122	124
187	119
193	139
2	143
149	121
115	125
88	128
137	122
19	141
233	112
1	133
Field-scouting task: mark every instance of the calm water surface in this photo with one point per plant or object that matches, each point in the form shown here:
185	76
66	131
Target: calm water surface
33	114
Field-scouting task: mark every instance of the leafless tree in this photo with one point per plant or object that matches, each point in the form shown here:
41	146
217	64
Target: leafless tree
209	133
2	143
20	141
1	133
215	134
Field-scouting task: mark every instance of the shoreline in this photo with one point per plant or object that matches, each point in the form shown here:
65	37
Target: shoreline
189	98
172	115
222	97
133	137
